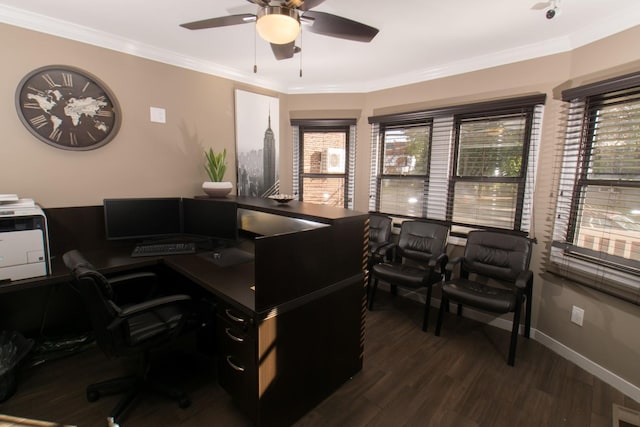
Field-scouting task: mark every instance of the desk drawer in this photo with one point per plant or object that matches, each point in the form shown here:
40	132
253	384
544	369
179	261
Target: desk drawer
236	341
237	372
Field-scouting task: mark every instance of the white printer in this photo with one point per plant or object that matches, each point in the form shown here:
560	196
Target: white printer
24	240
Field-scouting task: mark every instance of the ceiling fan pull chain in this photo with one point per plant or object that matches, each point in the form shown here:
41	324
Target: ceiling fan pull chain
255	65
300	51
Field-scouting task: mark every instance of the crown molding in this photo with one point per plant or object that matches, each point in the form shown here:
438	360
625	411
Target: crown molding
79	33
59	28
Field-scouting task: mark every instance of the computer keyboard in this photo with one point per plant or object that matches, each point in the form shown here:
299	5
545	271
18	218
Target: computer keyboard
160	249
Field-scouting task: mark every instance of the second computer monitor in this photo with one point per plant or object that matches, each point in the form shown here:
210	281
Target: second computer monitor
143	218
217	219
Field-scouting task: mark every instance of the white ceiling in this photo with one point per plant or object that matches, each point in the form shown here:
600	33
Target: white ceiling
418	39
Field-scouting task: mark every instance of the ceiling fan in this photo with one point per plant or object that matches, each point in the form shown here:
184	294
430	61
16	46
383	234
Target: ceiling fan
279	24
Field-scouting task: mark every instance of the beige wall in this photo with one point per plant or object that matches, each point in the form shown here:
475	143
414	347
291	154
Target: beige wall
148	159
609	334
144	159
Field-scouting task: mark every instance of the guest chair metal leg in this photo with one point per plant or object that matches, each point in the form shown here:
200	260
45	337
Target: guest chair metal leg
427	305
527	315
514	334
372	292
444	305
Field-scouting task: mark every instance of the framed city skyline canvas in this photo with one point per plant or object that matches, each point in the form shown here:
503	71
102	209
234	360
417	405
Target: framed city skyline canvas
257	143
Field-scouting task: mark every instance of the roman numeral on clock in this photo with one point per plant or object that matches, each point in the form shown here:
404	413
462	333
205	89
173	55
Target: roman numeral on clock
55	134
38	121
47	78
67	79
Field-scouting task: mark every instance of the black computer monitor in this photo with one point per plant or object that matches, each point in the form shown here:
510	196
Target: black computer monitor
142	218
216	219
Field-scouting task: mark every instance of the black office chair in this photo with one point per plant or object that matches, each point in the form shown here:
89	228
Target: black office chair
128	330
379	245
420	258
501	279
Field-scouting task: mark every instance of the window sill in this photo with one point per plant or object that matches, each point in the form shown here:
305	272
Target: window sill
620	284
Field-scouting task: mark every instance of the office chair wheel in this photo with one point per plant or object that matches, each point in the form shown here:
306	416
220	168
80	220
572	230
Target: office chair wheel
184	403
93	395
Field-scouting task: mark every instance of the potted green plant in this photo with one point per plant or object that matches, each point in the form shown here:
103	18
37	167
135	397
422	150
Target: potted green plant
216	166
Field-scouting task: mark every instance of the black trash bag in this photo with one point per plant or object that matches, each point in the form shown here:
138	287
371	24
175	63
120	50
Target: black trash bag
13	348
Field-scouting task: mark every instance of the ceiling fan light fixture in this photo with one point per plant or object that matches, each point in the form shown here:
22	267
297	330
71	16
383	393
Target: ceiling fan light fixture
278	25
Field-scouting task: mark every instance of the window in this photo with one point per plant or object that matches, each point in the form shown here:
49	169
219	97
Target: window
471	165
596	236
323	161
404	169
488	182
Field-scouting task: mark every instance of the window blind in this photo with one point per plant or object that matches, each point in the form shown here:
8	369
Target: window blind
596	236
522	115
296	159
441	161
374	166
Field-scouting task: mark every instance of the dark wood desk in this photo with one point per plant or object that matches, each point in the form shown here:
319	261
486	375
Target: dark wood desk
289	323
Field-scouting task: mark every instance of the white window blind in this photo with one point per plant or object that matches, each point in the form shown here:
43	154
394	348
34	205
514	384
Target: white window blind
500	136
324	161
404	174
296	159
596	237
492	172
441	160
374	166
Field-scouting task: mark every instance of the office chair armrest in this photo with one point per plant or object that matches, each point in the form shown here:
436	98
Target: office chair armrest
524	279
451	264
384	249
440	260
154	303
131	277
131	288
125	313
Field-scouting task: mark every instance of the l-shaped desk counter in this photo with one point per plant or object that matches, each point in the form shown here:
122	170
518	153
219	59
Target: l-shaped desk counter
289	323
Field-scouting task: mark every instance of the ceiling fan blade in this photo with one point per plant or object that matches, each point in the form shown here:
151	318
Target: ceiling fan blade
303	4
337	26
541	5
284	51
222	21
259	2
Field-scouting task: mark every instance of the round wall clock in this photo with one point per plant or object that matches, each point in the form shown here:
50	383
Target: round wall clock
67	108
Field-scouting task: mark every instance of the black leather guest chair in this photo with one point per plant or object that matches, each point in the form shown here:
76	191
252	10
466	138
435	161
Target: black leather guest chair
379	240
128	330
495	277
419	261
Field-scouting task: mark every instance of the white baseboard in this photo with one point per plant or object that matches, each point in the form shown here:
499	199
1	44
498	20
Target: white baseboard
554	345
588	365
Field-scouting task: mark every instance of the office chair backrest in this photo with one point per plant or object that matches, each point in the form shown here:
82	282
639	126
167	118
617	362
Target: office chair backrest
379	228
97	295
421	240
497	255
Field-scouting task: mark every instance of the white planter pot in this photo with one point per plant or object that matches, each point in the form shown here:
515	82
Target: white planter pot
217	189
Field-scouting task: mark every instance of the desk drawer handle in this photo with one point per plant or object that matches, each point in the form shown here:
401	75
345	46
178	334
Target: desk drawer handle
233	337
234	366
234	318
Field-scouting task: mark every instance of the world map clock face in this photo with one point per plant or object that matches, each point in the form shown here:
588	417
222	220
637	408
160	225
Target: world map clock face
67	108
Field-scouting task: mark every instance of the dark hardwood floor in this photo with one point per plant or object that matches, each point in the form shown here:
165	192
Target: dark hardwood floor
410	378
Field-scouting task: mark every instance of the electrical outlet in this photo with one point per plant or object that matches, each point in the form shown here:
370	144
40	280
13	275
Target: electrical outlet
577	315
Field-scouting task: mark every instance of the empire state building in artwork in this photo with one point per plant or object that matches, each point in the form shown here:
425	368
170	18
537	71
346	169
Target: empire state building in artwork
269	162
